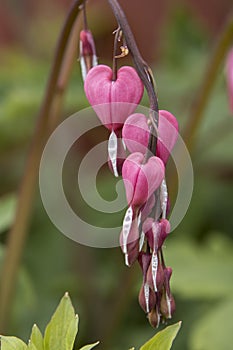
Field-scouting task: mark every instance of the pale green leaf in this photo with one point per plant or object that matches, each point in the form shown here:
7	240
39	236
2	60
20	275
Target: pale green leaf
214	330
61	326
36	338
12	343
31	346
7	211
90	346
163	340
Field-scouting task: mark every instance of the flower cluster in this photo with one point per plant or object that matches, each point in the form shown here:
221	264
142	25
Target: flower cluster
114	95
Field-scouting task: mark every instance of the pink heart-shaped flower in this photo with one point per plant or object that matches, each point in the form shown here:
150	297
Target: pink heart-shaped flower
113	101
136	134
141	179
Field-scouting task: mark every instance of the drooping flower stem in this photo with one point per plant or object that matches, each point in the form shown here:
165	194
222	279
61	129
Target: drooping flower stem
114	60
199	105
18	232
142	68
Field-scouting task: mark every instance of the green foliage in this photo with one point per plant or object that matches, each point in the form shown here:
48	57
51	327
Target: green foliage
7	211
90	346
164	339
62	329
12	343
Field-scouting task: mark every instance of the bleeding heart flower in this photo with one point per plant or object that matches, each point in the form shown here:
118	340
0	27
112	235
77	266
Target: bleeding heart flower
229	73
136	134
113	101
141	179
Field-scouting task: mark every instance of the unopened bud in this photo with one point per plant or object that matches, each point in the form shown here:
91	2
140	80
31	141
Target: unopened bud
154	318
146	298
155	273
88	57
167	305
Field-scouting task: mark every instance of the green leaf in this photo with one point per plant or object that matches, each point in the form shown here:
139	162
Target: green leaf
36	338
62	329
12	343
31	346
163	340
7	211
90	346
214	330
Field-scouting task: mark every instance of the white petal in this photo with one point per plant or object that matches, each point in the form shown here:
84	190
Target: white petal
127	222
154	265
163	198
112	151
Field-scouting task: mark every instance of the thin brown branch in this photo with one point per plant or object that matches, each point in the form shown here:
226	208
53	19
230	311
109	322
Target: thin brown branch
18	232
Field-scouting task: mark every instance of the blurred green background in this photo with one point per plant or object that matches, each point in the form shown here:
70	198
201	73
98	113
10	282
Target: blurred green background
177	40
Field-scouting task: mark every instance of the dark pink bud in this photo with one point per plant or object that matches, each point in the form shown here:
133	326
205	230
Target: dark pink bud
141	179
155	273
167	305
88	57
229	73
146	298
168	133
165	228
144	260
151	228
154	318
113	101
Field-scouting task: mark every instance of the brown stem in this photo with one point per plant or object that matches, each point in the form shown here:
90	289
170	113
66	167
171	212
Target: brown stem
18	232
199	105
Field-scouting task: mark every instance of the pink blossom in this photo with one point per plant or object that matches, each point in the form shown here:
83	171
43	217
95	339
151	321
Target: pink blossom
136	134
113	101
141	179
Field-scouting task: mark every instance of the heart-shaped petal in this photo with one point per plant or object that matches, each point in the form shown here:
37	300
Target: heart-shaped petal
113	101
141	179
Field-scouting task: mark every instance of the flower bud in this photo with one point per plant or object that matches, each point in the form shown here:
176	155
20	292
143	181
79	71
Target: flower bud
88	57
146	298
140	179
155	273
167	305
156	232
154	318
144	260
229	73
